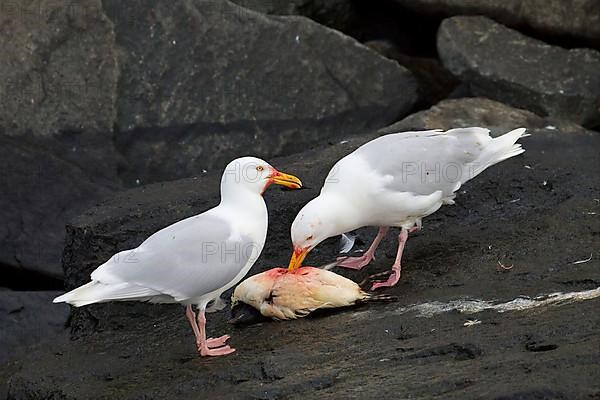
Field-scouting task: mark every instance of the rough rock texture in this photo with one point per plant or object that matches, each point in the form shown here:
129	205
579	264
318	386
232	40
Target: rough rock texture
222	77
58	70
575	18
27	318
156	72
337	14
44	183
532	211
502	64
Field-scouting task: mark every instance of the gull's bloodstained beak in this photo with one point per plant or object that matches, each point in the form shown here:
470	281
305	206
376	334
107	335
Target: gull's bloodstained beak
298	256
287	180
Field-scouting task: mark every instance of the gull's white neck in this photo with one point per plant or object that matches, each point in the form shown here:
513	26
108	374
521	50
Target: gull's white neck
245	209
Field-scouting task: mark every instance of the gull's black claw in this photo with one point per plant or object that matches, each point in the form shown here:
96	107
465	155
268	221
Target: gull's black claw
370	278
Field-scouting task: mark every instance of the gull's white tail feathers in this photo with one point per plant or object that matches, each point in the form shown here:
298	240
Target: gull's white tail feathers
96	292
499	149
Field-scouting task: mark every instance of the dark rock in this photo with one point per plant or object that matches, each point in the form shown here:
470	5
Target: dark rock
434	81
151	77
534	394
58	88
58	70
337	14
413	33
202	80
28	318
571	18
504	65
43	184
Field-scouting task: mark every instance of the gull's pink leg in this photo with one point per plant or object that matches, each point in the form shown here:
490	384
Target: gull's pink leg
204	348
191	316
359	262
396	268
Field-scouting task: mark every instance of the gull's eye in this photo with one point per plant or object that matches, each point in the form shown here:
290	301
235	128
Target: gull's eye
309	237
260	168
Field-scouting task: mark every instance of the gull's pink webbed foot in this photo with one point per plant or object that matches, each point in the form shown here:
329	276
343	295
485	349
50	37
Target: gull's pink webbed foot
391	281
217	342
355	262
218	351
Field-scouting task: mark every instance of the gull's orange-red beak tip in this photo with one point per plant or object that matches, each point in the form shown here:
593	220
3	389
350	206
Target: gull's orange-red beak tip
287	180
298	257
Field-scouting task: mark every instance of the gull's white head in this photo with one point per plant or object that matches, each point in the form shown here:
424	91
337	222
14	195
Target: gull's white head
254	175
322	218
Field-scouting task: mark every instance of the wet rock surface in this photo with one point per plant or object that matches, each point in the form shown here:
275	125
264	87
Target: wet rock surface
534	212
502	64
28	318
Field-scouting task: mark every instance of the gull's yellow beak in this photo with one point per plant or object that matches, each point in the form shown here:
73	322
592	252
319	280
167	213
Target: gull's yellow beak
298	256
287	180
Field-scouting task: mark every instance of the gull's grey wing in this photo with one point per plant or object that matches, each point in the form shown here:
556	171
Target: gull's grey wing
426	162
188	259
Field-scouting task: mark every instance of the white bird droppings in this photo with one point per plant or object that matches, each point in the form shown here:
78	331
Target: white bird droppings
521	303
585	260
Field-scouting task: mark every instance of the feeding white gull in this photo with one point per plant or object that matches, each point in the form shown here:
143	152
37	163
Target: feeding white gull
394	181
196	259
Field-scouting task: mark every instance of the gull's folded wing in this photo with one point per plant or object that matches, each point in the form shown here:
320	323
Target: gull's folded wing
188	259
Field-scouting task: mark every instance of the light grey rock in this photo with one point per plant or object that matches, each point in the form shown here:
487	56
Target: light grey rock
477	111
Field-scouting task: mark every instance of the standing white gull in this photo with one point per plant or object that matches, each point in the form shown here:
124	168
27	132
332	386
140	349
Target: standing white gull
196	259
395	181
